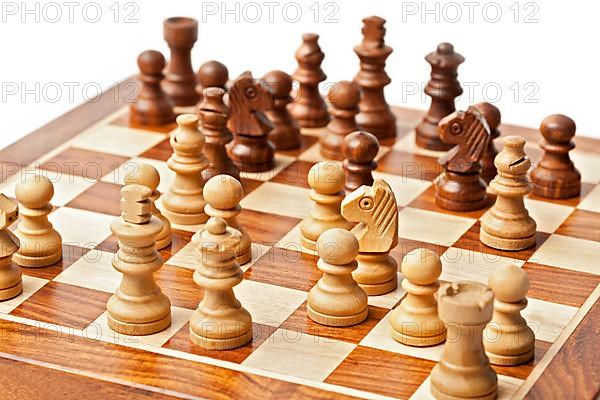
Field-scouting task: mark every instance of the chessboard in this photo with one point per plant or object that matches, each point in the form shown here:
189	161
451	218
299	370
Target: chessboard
56	341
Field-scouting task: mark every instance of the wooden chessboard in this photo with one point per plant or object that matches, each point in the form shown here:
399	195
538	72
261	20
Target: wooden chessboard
56	343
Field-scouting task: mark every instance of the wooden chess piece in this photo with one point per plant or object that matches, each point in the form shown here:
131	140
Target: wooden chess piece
220	322
147	175
326	180
507	338
11	283
443	88
223	194
138	306
285	134
375	115
507	224
343	99
184	203
336	299
360	149
460	187
211	74
180	33
492	116
555	176
152	106
308	108
375	210
41	244
213	115
415	321
464	371
251	150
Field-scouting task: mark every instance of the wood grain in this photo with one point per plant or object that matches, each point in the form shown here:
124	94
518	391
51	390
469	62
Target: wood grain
574	372
87	163
362	369
102	197
426	201
285	268
48	383
410	165
70	255
113	361
581	224
559	285
266	228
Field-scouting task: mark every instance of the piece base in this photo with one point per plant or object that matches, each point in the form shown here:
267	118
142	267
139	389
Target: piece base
418	341
444	396
221	344
244	257
307	243
555	192
329	320
185	219
427	137
133	329
11	292
504	243
378	289
262	167
36	262
517	359
164	242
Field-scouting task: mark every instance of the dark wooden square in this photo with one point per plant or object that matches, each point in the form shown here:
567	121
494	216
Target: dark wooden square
92	165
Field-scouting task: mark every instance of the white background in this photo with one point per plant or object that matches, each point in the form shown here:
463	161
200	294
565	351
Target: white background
543	56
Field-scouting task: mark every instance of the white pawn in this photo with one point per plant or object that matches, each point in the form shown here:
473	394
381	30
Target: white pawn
327	180
415	322
507	339
223	194
220	322
336	299
41	245
147	175
11	284
184	202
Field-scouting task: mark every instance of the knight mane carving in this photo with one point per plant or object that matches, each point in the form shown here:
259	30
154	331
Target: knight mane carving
469	131
376	211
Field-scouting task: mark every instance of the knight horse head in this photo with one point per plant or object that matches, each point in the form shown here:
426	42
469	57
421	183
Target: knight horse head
374	207
248	100
469	131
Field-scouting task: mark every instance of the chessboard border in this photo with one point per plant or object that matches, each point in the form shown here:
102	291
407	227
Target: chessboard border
561	373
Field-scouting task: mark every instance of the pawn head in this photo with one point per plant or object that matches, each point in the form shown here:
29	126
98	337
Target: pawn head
213	74
326	177
509	282
35	191
223	192
360	147
278	82
216	226
151	62
421	266
337	246
145	175
344	95
557	128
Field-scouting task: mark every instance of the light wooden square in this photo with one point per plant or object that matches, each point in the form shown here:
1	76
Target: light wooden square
268	304
291	241
432	227
118	175
280	199
99	330
591	202
119	140
380	338
507	387
389	300
405	189
407	144
467	264
570	253
281	162
81	228
299	354
93	271
588	165
66	187
547	320
313	154
548	216
31	285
